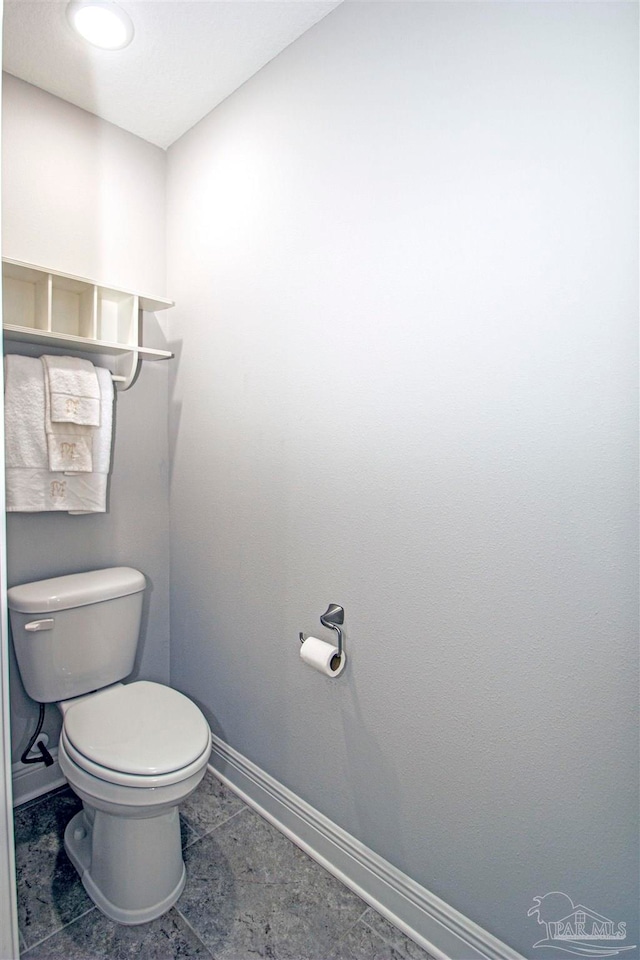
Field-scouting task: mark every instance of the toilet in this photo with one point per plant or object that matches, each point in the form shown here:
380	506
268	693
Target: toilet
132	752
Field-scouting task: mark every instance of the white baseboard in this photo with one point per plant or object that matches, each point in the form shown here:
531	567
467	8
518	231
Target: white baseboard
35	779
438	928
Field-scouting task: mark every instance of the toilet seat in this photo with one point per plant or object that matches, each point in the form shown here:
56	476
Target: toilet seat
119	778
141	734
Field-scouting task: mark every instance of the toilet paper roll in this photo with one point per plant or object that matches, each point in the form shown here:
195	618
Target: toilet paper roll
323	656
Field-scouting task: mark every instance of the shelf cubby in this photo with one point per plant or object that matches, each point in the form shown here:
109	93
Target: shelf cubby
50	309
26	296
117	317
73	308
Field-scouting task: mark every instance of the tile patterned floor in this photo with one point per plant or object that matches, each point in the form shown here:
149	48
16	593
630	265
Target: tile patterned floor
250	893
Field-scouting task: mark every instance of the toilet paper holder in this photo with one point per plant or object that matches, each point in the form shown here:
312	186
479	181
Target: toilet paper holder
333	618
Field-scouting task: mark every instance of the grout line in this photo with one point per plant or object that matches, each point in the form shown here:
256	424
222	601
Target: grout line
339	939
394	946
193	931
361	919
221	824
59	930
190	831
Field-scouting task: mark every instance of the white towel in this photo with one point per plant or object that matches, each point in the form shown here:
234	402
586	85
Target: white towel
69	445
74	394
25	438
69	441
68	451
91	488
31	486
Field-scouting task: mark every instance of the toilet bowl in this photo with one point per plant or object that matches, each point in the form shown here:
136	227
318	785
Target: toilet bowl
125	843
132	751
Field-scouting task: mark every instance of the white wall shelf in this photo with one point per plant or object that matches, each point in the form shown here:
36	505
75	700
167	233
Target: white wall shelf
51	309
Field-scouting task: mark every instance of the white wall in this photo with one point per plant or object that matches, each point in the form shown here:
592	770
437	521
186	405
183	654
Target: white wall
405	262
84	197
9	936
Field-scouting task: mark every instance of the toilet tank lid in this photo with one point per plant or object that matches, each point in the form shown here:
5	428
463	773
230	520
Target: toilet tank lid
75	590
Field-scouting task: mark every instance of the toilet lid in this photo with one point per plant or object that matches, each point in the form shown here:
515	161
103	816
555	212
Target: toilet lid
138	728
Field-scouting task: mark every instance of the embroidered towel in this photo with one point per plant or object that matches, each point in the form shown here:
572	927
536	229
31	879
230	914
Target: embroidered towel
92	488
31	486
69	442
74	394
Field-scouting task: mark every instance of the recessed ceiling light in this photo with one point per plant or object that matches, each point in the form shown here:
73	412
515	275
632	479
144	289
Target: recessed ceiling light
102	23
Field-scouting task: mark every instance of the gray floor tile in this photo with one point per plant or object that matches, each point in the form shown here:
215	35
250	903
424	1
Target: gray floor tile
252	893
361	943
45	798
94	937
395	938
187	835
50	893
209	806
28	816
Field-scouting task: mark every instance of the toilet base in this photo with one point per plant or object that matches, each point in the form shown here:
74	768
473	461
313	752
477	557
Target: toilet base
131	868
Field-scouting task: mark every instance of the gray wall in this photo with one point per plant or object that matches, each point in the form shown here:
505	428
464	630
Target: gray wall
405	261
83	197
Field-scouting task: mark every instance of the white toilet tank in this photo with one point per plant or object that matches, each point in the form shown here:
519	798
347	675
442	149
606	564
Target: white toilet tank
77	633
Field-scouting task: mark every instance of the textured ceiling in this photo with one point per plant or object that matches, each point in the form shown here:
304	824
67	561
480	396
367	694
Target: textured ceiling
185	58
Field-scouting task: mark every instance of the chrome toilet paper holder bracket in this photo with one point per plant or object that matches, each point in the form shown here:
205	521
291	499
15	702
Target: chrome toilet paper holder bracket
333	618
